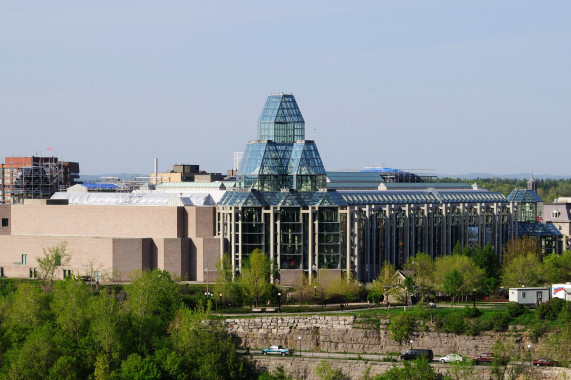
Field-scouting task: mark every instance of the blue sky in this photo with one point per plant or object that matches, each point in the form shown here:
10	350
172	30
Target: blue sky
451	86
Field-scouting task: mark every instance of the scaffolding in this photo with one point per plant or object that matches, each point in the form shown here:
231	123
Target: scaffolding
33	178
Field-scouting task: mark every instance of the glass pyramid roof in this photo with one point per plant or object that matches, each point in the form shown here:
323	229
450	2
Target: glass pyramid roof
522	195
281	120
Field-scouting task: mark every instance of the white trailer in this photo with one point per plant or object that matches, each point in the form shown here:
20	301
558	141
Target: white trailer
529	296
562	291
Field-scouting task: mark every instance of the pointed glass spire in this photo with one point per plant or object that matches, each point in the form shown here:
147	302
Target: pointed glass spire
281	120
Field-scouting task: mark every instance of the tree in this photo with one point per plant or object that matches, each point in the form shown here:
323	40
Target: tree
558	267
152	299
53	258
225	277
255	277
209	352
419	369
473	275
522	246
402	327
389	280
326	372
487	260
423	267
70	307
453	283
523	270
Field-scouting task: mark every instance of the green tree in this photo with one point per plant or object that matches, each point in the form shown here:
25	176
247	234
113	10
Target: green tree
453	283
419	369
225	278
522	246
523	270
326	372
108	328
255	278
472	275
53	258
208	350
423	267
69	305
152	300
486	259
558	267
389	281
402	327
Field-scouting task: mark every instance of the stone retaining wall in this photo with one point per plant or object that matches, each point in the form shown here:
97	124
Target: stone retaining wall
339	334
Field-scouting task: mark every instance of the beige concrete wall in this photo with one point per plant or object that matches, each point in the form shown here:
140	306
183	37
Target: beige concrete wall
86	252
102	221
201	221
118	238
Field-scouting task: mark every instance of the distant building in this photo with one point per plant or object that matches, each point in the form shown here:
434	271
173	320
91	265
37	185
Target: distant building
559	214
185	173
32	177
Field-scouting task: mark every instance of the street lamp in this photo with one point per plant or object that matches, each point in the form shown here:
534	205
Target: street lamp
474	293
220	295
529	353
411	344
279	300
314	291
299	338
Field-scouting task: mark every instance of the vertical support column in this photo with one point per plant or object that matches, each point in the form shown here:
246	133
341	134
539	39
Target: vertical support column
311	238
238	217
349	231
272	238
356	228
367	245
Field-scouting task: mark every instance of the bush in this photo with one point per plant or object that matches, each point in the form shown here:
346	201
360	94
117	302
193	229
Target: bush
551	310
471	312
501	321
514	310
402	327
453	324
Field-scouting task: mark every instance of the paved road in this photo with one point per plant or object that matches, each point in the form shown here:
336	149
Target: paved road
330	355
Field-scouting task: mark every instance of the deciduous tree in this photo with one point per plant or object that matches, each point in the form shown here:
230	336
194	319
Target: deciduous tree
53	258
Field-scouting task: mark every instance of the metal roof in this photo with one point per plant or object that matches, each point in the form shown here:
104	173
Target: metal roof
344	198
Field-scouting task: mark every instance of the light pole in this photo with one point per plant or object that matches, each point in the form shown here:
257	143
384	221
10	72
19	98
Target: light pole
299	338
411	344
220	295
314	295
279	301
474	293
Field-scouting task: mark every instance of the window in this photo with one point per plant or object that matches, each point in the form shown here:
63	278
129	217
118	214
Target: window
1	271
66	273
522	294
33	273
24	259
4	222
555	214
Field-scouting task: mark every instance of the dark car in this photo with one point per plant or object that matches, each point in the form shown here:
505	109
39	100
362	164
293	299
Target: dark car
484	358
543	362
415	353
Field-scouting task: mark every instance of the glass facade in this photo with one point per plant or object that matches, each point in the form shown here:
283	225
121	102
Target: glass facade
281	120
281	158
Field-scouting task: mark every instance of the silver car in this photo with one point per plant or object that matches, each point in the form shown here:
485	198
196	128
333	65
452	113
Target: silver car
451	358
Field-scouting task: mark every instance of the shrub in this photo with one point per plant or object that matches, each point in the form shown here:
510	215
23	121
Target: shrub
453	324
471	312
551	310
402	326
501	321
514	310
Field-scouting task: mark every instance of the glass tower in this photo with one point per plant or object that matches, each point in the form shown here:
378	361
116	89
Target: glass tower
281	158
281	121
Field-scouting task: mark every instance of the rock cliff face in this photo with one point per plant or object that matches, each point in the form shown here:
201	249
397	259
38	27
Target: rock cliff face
341	334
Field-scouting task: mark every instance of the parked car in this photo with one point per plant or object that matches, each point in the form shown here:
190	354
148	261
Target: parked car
277	350
451	358
543	362
484	358
414	353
